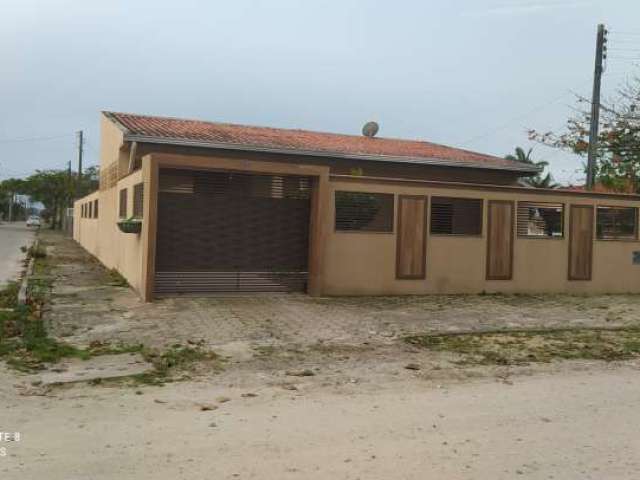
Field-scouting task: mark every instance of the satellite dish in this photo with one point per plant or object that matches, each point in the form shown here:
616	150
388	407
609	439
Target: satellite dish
370	129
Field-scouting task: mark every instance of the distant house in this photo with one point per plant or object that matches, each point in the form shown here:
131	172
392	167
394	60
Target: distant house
230	208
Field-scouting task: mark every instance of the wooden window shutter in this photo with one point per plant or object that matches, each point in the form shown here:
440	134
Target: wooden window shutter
138	200
500	240
412	237
580	242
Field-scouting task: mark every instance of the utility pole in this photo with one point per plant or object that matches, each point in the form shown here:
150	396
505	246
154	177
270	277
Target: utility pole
70	180
80	146
11	197
601	53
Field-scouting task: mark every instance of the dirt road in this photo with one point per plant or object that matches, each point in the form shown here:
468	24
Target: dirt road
12	237
568	425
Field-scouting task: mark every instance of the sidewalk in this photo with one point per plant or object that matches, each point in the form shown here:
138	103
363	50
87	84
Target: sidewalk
13	236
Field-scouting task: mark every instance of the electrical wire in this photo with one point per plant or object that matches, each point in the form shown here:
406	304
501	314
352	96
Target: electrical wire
509	123
33	139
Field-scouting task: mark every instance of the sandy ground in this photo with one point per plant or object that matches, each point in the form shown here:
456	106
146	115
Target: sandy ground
12	236
567	425
361	415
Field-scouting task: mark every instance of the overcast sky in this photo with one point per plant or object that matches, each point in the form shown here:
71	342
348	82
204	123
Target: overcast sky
467	73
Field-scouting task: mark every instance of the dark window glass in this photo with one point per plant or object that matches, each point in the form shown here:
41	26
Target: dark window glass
367	212
616	222
456	216
540	219
122	211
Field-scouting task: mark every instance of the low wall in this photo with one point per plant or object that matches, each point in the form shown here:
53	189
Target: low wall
360	263
101	236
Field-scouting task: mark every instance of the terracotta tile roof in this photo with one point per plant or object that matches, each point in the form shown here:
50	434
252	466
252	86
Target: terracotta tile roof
302	142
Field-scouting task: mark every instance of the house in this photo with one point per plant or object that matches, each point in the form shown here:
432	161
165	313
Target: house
232	208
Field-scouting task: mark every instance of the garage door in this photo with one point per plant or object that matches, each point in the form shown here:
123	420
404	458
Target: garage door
231	232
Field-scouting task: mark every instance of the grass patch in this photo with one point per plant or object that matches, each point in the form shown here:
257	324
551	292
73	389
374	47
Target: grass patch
523	347
179	358
37	251
9	295
176	363
116	279
24	341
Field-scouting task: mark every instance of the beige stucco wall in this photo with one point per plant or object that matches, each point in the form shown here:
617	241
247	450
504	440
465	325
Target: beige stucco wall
102	238
111	141
364	263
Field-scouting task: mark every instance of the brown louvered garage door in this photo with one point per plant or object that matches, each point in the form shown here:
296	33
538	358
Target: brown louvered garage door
231	232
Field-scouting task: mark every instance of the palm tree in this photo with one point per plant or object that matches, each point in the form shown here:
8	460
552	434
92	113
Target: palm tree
538	180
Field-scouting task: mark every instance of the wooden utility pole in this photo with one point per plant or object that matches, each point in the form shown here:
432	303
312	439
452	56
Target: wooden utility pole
601	40
70	180
79	179
11	198
80	145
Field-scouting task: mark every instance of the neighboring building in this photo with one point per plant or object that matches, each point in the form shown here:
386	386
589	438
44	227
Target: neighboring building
230	208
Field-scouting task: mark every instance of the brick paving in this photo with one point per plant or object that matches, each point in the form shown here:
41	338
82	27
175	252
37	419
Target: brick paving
86	308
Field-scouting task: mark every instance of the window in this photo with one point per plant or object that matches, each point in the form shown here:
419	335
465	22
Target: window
365	212
82	211
138	200
90	214
616	223
540	219
122	210
95	208
456	216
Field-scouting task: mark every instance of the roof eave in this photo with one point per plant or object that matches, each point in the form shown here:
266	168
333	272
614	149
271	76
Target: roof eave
524	169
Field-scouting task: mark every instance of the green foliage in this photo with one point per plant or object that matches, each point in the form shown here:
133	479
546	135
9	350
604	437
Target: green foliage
36	251
9	295
54	188
116	279
539	180
8	189
618	147
522	347
24	343
178	357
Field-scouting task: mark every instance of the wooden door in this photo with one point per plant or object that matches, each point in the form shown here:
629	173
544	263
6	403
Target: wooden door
412	237
500	240
580	242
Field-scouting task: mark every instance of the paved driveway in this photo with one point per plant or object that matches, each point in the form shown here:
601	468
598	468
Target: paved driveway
12	236
86	308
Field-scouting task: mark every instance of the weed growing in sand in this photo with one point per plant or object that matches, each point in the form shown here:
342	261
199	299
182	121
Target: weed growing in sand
522	347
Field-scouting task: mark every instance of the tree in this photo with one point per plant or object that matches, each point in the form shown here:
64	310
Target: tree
537	181
618	153
9	188
54	188
89	181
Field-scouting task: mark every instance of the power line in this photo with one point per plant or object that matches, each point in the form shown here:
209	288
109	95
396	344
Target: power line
33	139
519	117
623	33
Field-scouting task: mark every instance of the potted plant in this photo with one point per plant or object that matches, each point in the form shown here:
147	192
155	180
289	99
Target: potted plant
130	225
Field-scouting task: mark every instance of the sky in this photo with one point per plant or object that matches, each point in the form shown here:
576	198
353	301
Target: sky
474	74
